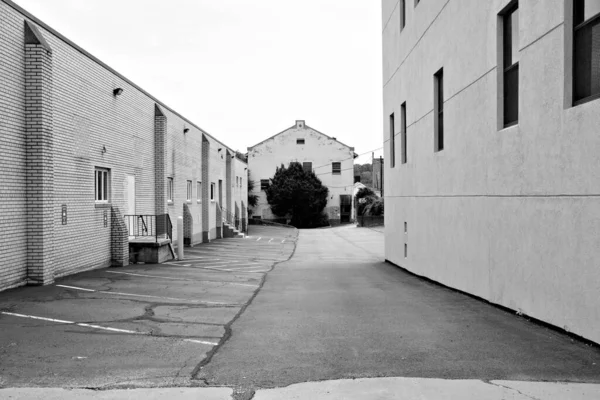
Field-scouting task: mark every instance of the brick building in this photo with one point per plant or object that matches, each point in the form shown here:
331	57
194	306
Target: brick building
83	147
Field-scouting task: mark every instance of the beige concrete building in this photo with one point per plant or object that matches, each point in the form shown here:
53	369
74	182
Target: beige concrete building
331	160
492	151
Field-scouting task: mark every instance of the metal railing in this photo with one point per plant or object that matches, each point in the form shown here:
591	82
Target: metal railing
233	220
157	226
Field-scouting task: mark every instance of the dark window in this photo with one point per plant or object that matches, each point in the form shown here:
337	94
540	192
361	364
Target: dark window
212	191
402	14
586	56
307	166
299	141
102	185
416	2
336	168
264	184
403	133
510	63
392	142
438	81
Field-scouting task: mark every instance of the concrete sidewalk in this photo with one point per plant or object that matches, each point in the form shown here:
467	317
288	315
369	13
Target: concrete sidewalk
357	389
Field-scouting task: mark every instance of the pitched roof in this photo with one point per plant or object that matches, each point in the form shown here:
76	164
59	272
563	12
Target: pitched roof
294	126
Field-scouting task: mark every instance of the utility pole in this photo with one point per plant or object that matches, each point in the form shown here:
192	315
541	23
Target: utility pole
381	170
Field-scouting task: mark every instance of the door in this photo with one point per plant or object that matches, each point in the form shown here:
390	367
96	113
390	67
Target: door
345	208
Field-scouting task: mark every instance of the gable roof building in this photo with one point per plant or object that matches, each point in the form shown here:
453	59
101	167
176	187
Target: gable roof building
331	160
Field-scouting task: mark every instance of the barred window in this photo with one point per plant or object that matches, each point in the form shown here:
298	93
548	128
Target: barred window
307	166
102	185
586	56
510	63
336	168
264	184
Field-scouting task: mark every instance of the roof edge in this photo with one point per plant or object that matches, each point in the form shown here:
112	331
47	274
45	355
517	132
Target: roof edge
60	36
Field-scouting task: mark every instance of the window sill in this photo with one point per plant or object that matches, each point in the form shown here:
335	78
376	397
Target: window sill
198	201
508	128
103	205
170	203
188	201
586	100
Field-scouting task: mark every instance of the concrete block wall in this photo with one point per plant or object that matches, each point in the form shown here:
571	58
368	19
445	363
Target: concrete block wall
50	154
508	214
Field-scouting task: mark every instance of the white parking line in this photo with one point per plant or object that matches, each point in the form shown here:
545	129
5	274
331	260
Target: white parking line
60	321
258	240
104	328
201	342
141	295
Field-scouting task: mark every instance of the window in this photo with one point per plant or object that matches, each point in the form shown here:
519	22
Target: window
404	159
392	142
102	185
189	191
416	2
586	50
510	64
336	168
170	190
307	166
299	141
212	191
438	110
402	14
264	184
199	191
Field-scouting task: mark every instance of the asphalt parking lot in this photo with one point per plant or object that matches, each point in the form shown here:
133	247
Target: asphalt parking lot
138	326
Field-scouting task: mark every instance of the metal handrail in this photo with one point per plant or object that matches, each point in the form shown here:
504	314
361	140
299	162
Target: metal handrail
157	226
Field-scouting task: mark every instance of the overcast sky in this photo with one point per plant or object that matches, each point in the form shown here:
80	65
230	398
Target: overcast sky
242	70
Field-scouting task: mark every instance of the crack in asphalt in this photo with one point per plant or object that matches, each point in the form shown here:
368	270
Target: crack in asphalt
228	330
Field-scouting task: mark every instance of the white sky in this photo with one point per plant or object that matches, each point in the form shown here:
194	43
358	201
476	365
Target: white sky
242	70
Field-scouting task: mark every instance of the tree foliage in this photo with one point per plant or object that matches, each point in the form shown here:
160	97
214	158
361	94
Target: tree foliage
252	198
298	194
368	202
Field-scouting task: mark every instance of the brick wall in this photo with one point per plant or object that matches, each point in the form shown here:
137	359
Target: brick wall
119	243
74	123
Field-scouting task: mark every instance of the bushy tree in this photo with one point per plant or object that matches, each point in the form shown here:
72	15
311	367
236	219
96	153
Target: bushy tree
365	198
252	198
298	194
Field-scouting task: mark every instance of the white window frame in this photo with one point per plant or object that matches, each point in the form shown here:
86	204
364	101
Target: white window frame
199	191
102	196
189	191
170	188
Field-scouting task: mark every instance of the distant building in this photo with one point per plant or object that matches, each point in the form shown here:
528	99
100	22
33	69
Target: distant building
378	174
331	160
492	150
90	162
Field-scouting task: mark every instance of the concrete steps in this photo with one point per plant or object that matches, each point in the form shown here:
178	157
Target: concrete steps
231	232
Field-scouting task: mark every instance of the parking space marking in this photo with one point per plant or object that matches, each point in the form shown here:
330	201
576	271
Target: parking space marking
60	321
179	279
200	342
143	295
